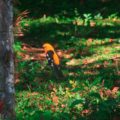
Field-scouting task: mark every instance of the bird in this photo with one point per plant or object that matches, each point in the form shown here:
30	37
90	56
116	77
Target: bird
53	60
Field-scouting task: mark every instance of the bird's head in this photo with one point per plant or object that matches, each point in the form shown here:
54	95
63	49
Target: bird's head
48	47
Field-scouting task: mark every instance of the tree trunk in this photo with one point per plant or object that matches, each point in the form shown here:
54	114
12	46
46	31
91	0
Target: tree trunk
7	101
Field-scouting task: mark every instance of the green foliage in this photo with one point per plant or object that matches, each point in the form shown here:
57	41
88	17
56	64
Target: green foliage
72	102
90	75
98	17
66	7
76	102
26	109
29	71
17	47
113	16
87	19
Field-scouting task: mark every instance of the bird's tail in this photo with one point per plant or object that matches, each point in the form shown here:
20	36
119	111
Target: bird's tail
58	72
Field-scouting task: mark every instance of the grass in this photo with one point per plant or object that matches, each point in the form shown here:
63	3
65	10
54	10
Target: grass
90	88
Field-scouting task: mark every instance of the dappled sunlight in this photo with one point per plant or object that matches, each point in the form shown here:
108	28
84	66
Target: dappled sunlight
87	45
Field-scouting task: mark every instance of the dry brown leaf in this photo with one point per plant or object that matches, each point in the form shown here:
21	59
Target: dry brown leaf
90	40
26	24
105	63
98	66
53	108
67	56
26	57
101	93
89	72
60	53
40	107
32	94
97	43
102	42
108	92
92	24
55	100
17	81
106	51
85	62
63	105
115	89
86	111
111	40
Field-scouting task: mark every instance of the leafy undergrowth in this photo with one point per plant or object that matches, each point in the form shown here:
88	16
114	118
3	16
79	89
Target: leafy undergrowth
74	101
90	61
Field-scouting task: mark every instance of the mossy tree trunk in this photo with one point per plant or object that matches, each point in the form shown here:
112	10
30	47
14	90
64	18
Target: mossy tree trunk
7	91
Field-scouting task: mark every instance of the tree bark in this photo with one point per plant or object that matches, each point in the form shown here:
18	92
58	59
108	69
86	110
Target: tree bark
7	91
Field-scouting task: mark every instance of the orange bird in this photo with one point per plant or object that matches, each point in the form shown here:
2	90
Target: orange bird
53	59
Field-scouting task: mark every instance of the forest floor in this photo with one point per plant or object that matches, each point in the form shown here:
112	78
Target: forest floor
90	62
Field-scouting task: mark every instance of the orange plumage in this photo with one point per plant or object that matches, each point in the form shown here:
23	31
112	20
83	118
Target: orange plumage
53	59
47	47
